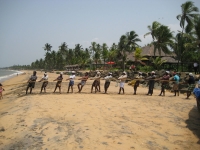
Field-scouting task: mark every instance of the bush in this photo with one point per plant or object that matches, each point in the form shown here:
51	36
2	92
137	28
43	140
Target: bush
145	68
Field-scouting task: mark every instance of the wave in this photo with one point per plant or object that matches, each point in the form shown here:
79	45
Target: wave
6	77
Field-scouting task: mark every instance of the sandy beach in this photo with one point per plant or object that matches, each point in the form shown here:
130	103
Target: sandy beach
53	121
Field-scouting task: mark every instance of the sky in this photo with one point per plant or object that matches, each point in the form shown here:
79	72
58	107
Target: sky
27	25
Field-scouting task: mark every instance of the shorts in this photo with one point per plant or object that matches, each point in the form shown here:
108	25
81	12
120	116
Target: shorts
83	83
176	86
121	84
45	84
191	87
31	84
95	83
58	84
106	85
71	83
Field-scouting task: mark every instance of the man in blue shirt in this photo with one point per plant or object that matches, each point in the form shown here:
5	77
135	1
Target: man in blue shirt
176	84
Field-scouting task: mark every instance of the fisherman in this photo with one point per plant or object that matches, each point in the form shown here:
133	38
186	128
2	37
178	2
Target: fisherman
191	85
164	83
45	82
151	82
71	81
122	79
135	83
96	83
59	81
107	82
83	81
31	82
176	78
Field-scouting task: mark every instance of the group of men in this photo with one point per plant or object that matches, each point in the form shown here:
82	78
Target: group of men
151	78
96	84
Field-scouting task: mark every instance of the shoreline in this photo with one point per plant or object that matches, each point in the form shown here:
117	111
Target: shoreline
7	77
95	121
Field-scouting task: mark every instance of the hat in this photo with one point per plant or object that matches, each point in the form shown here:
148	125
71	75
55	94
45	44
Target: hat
167	72
190	74
124	72
73	71
140	72
61	73
152	71
98	72
110	73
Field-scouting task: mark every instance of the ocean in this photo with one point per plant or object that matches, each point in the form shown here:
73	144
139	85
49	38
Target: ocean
7	74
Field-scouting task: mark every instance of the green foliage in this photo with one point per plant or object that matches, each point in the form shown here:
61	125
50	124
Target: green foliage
127	43
157	62
145	68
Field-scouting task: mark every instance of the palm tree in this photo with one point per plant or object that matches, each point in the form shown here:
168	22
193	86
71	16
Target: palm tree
187	16
197	30
85	57
47	48
138	56
63	48
112	53
95	50
53	59
158	62
153	29
164	40
189	12
104	52
127	44
77	52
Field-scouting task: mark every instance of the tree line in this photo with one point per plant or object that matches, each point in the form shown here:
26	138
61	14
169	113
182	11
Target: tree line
185	45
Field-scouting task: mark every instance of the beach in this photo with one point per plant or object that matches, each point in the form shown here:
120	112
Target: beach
95	121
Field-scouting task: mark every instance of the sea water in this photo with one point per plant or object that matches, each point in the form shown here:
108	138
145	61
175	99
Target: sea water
7	74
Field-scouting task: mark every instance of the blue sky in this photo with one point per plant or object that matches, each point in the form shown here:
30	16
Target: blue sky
27	25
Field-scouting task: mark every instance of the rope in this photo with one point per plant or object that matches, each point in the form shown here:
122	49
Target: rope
116	80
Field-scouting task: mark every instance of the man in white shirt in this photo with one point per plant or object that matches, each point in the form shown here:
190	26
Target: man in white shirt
71	81
45	82
122	79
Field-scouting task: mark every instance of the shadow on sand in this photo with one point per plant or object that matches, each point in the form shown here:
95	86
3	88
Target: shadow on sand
193	122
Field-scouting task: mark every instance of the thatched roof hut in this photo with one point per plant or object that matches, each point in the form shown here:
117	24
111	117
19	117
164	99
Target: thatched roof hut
148	51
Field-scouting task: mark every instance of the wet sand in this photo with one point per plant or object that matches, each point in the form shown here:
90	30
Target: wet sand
95	121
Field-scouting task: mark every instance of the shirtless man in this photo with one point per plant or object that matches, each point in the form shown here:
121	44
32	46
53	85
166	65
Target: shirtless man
83	81
96	82
59	81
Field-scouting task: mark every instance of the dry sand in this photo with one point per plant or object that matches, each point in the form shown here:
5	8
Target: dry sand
95	121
